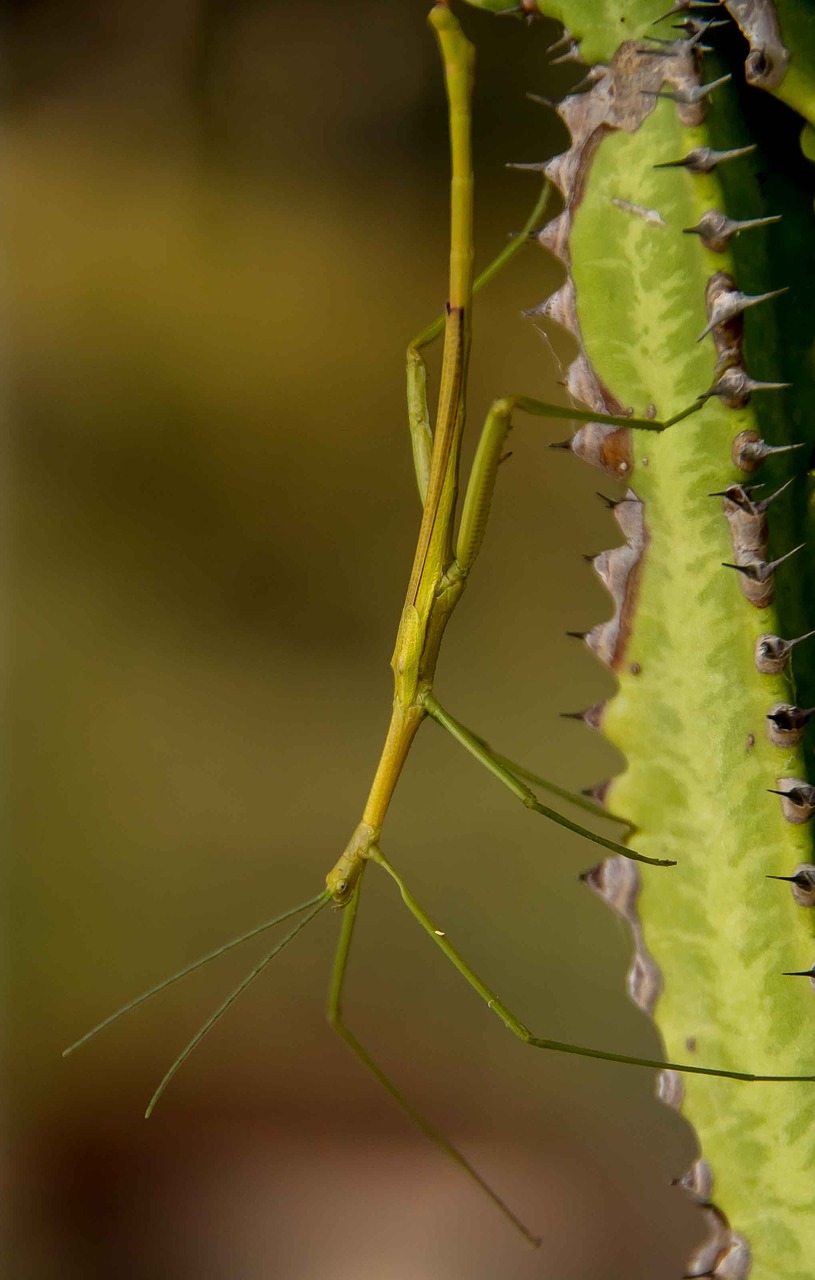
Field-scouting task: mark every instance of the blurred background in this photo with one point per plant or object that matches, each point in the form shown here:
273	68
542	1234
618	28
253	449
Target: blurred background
226	218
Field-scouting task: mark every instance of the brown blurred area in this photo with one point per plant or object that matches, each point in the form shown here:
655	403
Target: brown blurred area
225	220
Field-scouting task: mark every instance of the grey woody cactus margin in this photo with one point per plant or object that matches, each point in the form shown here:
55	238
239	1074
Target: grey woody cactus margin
686	239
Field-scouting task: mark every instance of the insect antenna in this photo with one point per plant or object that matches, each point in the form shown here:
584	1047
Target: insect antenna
322	901
190	968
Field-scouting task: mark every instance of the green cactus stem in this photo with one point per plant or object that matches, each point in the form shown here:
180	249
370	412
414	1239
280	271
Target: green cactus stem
681	280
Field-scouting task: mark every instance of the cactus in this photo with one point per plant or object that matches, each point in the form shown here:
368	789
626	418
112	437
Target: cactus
680	280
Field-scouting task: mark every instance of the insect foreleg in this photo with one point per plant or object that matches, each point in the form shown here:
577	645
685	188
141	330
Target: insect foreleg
421	434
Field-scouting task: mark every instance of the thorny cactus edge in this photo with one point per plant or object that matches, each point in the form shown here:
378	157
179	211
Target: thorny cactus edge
680	280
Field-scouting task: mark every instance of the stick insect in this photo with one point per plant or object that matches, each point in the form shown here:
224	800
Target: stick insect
449	540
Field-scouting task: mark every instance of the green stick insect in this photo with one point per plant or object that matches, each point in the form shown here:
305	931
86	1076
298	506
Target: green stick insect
449	540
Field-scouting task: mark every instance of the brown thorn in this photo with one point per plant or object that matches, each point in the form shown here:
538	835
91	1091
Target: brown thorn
772	651
532	167
773	564
598	792
705	159
562	42
749	450
786	723
760	570
687	97
694	26
592	715
589	80
803	884
716	230
733	303
684	6
765	502
797	799
542	101
571	55
735	387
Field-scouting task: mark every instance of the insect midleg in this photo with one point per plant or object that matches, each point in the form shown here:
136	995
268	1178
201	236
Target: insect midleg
500	770
522	774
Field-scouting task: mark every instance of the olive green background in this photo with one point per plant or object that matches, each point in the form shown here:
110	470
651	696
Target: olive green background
225	221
